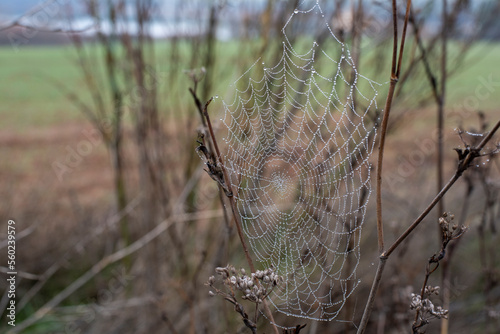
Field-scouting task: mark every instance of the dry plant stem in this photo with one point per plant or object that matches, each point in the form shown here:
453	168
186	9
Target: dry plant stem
226	181
385	122
387	109
204	123
440	178
371	297
403	37
424	214
428	272
441	103
395	70
234	210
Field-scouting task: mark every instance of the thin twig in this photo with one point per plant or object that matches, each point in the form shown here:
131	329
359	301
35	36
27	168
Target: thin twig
371	297
200	109
395	71
424	214
462	167
440	153
403	37
441	104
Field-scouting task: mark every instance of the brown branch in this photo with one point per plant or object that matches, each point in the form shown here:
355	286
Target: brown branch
403	37
463	165
441	104
395	71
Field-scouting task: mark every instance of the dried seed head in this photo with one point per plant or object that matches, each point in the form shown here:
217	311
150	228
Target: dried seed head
430	290
450	230
223	272
255	287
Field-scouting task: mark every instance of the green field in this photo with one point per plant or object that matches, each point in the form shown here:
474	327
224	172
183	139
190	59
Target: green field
29	99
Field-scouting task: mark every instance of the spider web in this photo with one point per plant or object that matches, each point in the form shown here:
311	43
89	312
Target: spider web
297	157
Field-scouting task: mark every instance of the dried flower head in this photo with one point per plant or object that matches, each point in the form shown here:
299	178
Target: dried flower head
254	287
426	308
431	290
449	229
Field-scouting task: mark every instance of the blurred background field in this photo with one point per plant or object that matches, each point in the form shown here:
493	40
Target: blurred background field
147	174
39	102
36	101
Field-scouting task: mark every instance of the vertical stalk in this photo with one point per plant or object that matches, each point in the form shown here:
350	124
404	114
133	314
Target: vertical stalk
228	184
387	109
395	71
371	298
446	268
210	52
234	210
441	103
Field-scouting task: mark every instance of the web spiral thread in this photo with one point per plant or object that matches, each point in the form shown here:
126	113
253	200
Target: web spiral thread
298	146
